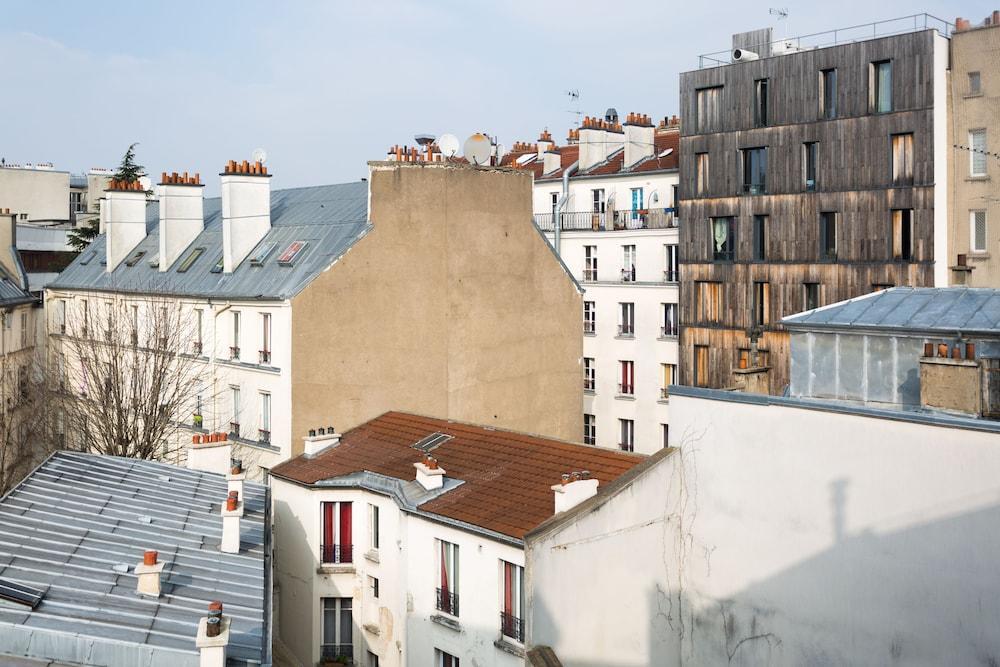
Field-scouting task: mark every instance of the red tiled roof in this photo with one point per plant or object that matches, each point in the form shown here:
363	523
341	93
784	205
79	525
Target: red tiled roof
661	142
507	475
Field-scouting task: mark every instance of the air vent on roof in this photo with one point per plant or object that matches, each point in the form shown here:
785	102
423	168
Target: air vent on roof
265	250
431	441
190	259
291	253
218	266
134	259
19	593
89	256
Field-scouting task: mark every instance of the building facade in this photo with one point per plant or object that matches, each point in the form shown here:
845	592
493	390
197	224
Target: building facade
808	176
973	162
613	191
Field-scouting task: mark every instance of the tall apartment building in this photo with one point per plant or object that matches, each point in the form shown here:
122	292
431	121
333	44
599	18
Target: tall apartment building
607	201
809	176
974	161
339	302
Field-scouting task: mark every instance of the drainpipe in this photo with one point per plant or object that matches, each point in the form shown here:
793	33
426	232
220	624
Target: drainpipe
215	340
563	201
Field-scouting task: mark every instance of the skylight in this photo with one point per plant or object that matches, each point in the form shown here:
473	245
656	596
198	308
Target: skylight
89	256
134	259
262	254
291	253
190	259
525	159
432	441
19	593
219	265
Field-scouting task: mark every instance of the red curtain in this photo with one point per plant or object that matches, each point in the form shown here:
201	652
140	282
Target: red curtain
444	569
508	589
328	525
345	533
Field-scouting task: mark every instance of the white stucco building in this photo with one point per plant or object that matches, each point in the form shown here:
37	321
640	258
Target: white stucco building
392	559
613	186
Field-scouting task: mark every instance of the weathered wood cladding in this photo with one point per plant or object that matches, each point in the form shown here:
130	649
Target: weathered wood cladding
853	180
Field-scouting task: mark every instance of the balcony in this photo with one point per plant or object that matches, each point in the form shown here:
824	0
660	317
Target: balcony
196	348
447	601
264	357
336	553
512	626
671	276
664	393
628	275
331	652
234	353
589	221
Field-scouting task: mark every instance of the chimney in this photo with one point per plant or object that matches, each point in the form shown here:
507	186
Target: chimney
962	24
429	475
211	452
235	477
182	215
125	220
552	161
320	440
213	637
9	257
638	139
573	489
232	510
951	381
598	139
544	143
148	574
246	210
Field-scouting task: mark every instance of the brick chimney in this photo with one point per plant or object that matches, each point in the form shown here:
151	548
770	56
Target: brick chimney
124	221
182	215
213	637
573	489
544	143
232	511
429	475
246	210
638	138
148	574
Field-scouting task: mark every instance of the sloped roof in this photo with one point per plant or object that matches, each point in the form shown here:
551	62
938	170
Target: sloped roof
69	523
329	218
946	310
505	476
613	166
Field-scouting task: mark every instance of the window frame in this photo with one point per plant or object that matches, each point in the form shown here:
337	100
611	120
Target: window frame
672	273
448	558
671	326
973	246
975	154
728	254
901	175
702	173
626	434
876	86
760	100
589	374
759	223
626	319
589	429
828	85
810	165
828	250
977	89
626	375
754	167
512	602
334	552
807	288
903	219
338	607
373	526
589	317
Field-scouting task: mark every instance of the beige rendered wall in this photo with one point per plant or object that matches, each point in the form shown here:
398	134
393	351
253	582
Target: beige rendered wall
42	194
452	306
975	50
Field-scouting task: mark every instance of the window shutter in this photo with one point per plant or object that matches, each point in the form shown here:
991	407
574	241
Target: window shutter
328	526
345	533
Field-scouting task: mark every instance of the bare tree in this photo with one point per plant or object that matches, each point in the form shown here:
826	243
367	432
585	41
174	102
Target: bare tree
127	378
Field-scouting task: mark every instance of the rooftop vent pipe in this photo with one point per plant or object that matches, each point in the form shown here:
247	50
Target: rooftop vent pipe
742	56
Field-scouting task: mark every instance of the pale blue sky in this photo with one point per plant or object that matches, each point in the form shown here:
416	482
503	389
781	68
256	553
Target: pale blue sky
326	86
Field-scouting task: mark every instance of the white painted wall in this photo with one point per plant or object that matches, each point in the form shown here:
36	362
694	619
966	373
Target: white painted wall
782	535
246	216
182	219
40	193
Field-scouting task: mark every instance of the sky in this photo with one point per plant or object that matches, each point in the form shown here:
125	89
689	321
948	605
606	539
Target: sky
324	87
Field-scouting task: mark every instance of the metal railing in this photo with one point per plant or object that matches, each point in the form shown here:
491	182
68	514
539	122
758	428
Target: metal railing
334	651
671	276
664	392
590	275
628	275
590	221
626	389
669	330
447	601
234	428
196	348
512	626
264	436
336	553
234	352
264	357
856	33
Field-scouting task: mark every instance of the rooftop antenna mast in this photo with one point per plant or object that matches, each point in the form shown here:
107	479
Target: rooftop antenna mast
574	99
782	14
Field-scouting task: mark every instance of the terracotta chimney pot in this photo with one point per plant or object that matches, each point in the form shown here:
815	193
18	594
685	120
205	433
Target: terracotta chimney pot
149	557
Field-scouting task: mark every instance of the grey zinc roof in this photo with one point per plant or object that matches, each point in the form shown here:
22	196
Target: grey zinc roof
330	218
917	309
65	528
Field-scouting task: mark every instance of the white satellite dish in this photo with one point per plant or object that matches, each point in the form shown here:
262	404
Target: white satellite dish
448	143
666	152
259	155
477	149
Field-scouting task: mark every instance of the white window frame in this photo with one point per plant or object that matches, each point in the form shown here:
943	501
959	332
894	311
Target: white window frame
626	318
626	428
337	609
973	247
373	527
589	374
235	399
265	411
236	334
589	317
589	429
974	153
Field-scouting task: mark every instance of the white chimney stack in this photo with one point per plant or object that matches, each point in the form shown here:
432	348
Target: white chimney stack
544	143
638	138
246	210
125	220
232	510
211	452
599	138
552	161
182	215
429	475
148	574
320	440
573	490
235	478
213	637
102	215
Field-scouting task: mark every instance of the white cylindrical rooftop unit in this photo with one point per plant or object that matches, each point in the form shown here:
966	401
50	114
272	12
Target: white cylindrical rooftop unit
742	55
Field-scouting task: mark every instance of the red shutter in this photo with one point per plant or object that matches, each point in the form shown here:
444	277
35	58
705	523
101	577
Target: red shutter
508	589
328	524
345	533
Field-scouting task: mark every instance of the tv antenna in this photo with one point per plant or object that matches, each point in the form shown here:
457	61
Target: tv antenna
259	155
782	14
574	99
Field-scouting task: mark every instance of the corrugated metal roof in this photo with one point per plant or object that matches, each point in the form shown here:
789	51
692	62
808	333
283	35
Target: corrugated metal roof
330	218
932	309
78	515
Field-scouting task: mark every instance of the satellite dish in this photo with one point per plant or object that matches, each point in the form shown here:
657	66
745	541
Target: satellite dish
259	155
477	149
666	152
448	143
424	139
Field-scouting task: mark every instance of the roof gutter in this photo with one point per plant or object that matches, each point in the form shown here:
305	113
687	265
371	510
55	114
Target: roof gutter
563	201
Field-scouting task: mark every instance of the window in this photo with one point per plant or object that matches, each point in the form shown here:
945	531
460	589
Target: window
709	301
447	591
759	238
372	660
373	587
86	317
199	319
828	236
669	374
977	153
190	260
626	319
338	627
760	103
219	265
880	86
61	315
975	83
76	203
628	263
589	317
589	429
761	303
134	324
723	239
902	159
666	435
701	365
265	339
600	205
234	424
810	152
672	272
627	385
442	659
708	112
590	263
264	430
637	199
878	287
373	529
589	374
701	176
234	349
337	544
902	234
25	331
512	601
627	428
291	253
755	171
669	327
554	202
810	295
744	356
828	94
263	252
977	231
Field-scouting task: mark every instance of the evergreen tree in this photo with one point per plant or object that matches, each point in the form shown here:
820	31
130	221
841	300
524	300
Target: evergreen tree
128	170
81	237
